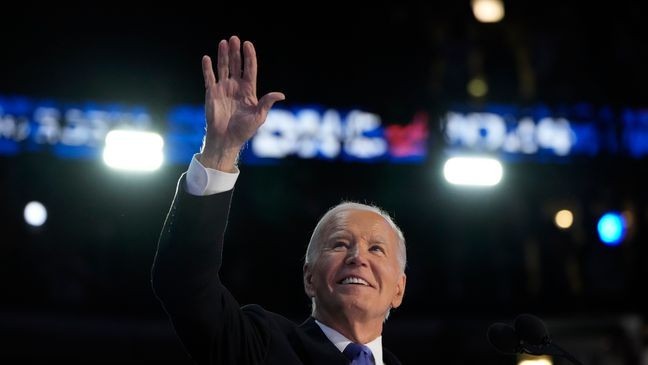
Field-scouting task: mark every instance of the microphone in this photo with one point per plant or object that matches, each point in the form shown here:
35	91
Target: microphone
503	337
531	329
528	335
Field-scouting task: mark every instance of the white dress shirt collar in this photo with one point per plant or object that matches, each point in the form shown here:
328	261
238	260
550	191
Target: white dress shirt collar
341	342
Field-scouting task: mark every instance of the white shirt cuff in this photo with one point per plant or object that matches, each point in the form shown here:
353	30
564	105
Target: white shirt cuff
201	180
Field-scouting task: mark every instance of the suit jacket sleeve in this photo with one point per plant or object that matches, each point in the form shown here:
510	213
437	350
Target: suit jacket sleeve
185	277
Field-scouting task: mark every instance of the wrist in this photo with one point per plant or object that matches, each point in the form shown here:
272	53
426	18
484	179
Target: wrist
225	161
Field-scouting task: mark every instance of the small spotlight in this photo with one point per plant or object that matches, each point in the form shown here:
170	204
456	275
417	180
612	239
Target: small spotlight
611	228
35	214
564	219
473	171
477	87
133	150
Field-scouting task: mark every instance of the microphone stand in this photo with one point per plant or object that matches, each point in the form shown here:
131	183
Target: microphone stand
566	354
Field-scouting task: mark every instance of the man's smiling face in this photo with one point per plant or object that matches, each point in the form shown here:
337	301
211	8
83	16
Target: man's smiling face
357	272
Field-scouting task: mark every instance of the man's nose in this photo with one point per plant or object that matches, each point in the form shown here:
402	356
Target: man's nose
356	256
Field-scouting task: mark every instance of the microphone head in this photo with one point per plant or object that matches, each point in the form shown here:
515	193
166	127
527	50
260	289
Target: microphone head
503	337
531	330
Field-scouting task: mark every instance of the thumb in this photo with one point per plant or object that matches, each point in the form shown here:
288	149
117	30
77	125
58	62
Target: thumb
268	100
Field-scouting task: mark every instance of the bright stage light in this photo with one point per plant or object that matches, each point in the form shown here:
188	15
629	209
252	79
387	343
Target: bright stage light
488	11
35	214
133	150
473	171
535	360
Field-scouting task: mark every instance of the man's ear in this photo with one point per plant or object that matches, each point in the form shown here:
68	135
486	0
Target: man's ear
308	281
400	291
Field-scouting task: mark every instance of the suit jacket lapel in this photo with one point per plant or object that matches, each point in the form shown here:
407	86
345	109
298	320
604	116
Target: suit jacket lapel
320	349
389	358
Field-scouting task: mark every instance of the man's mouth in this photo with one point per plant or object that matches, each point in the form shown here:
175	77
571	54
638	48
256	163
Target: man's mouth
353	280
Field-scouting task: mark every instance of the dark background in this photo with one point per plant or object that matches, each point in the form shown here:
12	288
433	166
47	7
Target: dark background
77	289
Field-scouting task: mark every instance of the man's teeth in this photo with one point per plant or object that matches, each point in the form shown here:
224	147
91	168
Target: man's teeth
353	280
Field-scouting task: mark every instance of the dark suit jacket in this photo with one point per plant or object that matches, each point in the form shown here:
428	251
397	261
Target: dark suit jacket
211	324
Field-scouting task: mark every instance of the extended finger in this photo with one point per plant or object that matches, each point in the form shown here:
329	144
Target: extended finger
250	70
208	72
235	57
223	60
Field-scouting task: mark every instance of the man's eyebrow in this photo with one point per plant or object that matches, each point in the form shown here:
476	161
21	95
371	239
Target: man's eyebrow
340	234
378	241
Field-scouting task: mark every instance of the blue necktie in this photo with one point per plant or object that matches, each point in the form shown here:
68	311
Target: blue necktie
358	354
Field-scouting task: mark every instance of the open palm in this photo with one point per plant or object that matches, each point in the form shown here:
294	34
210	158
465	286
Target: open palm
232	109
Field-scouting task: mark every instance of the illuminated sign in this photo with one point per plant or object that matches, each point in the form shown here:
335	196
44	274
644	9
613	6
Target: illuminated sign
76	131
491	132
79	131
536	133
310	133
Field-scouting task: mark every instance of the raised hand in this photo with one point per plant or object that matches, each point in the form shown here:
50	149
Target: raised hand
232	109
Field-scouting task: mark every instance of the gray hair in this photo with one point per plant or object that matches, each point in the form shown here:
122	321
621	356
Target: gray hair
332	215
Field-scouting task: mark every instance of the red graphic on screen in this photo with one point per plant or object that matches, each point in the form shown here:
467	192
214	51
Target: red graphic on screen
408	140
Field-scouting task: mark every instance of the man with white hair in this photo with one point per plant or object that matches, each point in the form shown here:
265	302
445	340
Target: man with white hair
354	271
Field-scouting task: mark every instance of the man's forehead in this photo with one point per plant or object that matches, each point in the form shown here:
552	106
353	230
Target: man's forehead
353	219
